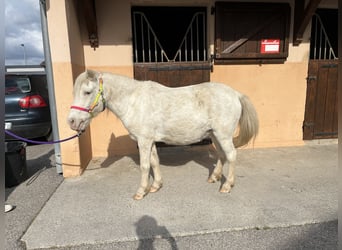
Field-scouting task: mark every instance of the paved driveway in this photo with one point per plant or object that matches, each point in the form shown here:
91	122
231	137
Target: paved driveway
284	198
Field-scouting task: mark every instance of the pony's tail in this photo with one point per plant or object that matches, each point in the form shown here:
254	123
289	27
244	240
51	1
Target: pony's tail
249	123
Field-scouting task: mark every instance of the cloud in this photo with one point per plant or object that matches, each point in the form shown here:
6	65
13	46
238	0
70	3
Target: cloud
23	26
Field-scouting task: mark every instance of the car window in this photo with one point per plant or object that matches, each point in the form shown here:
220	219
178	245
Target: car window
16	85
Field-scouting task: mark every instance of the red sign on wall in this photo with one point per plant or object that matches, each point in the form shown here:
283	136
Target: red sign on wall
270	46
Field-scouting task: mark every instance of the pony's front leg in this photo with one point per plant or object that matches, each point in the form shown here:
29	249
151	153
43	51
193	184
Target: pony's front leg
145	155
157	182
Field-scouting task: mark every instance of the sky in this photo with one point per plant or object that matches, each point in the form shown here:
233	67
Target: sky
23	34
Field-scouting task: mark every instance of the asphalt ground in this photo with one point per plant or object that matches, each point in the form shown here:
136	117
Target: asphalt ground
289	202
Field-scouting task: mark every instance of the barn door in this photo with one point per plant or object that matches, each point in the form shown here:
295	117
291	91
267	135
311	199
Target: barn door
321	116
170	45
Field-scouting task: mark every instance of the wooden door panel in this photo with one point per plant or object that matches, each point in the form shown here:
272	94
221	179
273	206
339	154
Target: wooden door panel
310	102
321	115
320	109
173	74
330	108
240	28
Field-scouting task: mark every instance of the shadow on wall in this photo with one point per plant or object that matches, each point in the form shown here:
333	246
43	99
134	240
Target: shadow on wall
111	149
148	231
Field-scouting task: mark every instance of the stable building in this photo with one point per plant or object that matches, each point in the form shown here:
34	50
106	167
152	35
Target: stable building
282	54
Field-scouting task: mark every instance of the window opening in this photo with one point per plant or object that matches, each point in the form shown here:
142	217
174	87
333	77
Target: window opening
169	34
324	35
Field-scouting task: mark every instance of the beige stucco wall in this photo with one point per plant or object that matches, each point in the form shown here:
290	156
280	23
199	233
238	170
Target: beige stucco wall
278	91
278	94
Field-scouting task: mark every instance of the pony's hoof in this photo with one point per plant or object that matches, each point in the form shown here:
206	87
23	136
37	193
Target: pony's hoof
225	189
213	179
138	197
155	189
210	180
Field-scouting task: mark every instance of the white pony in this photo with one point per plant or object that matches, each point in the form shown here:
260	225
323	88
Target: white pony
154	113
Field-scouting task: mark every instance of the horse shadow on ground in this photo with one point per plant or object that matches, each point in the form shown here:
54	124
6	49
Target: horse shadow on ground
148	231
169	156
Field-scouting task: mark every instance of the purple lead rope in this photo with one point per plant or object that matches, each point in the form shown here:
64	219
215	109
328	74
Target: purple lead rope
41	142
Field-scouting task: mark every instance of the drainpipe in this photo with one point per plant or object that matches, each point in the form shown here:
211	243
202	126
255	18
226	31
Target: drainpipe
50	83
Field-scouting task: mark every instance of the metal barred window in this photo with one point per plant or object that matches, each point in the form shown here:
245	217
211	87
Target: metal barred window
322	48
148	47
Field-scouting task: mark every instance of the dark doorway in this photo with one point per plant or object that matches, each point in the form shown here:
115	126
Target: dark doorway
170	45
324	34
164	34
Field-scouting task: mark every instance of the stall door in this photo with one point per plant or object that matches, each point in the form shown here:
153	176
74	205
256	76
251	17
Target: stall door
321	100
321	114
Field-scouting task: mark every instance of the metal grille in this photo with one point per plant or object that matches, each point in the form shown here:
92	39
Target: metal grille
147	47
322	49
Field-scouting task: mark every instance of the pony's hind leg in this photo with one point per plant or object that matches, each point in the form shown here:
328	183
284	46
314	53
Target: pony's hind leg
230	151
145	148
216	175
157	182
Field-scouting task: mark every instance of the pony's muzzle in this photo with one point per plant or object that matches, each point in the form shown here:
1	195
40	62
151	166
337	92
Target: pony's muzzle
76	124
72	123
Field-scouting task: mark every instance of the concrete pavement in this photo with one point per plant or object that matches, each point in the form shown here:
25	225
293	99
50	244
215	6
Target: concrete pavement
277	190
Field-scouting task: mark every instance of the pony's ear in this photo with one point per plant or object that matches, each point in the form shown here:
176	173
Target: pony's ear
92	74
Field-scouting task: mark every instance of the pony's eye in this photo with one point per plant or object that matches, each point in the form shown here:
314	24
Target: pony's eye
87	92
